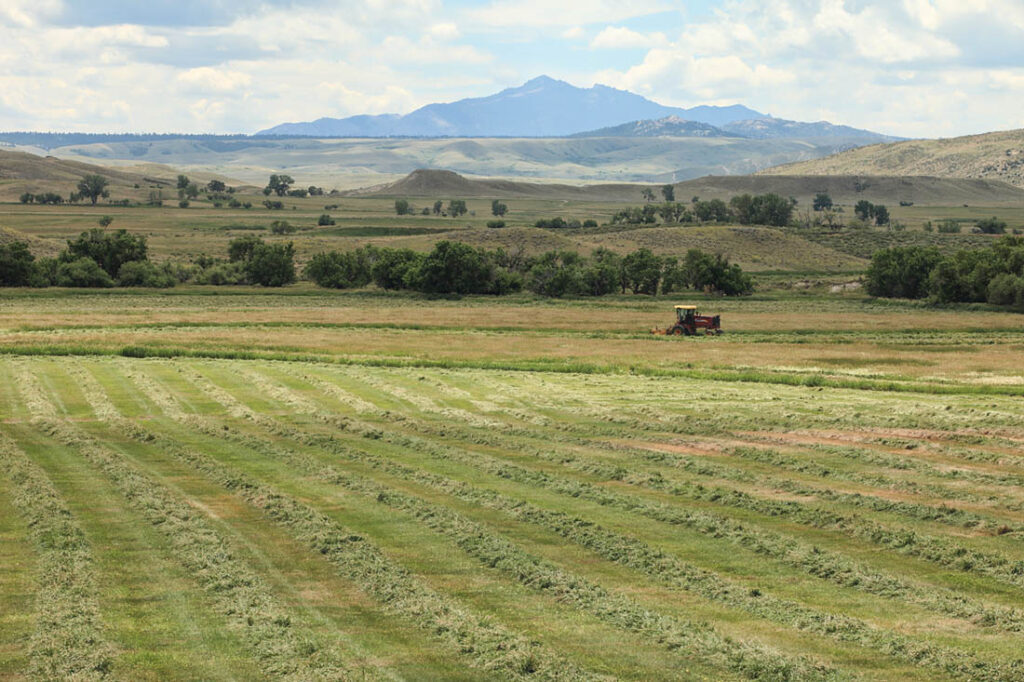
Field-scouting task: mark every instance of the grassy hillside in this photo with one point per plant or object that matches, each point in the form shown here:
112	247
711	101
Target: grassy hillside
992	156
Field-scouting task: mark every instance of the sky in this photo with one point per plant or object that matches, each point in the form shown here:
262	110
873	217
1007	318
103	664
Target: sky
915	68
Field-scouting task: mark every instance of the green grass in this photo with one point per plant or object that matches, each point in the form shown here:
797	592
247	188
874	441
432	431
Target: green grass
303	484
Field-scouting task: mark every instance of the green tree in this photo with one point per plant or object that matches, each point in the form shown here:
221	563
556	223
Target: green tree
864	210
456	208
454	268
498	208
16	264
647	193
902	272
340	270
183	182
214	186
668	192
240	249
438	207
93	187
393	268
279	184
271	265
105	221
641	272
110	250
822	201
402	207
881	215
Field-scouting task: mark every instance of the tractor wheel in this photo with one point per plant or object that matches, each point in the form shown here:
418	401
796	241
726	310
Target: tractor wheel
678	331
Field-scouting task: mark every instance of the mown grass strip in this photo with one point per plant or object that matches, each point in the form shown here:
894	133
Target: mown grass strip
487	645
612	546
553	365
282	650
68	641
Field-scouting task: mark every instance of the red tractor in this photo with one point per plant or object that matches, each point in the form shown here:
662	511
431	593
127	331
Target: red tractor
688	321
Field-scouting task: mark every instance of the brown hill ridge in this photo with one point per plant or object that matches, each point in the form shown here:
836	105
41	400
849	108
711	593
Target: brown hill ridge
442	184
992	156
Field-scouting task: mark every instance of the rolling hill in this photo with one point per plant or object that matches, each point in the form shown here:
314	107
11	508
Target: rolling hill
992	156
843	189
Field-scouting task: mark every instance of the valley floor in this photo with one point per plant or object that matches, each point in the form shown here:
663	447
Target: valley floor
317	486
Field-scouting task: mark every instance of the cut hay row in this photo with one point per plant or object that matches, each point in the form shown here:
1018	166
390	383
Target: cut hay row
803	556
941	551
282	651
611	546
68	641
486	645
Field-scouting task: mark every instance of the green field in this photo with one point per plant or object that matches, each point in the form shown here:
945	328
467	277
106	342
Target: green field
236	484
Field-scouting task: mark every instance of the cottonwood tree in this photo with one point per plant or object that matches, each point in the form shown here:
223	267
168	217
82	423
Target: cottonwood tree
93	187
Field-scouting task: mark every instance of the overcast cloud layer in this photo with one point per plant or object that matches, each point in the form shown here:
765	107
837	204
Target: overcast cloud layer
921	68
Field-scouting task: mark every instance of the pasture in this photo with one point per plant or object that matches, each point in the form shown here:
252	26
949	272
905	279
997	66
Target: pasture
241	484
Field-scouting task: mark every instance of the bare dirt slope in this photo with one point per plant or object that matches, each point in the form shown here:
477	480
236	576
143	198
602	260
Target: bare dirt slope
992	156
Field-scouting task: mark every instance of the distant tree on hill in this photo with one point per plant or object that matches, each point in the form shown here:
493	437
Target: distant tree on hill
881	215
647	193
402	207
279	184
499	209
183	182
438	207
216	186
669	192
822	201
93	187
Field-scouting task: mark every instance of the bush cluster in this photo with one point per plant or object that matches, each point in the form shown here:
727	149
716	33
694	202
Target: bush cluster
994	275
746	209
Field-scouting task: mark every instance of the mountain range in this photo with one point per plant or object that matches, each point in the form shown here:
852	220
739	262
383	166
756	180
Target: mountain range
545	107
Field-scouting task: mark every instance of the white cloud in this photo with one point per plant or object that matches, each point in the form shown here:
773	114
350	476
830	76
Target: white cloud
621	37
573	33
206	79
566	13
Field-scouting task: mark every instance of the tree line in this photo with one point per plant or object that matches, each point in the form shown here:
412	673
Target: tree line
459	268
746	209
993	275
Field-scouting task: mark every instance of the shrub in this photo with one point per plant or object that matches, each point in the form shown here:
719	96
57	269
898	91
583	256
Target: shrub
145	274
16	264
282	227
1006	289
27	198
324	220
82	272
991	225
589	222
240	248
495	223
339	270
949	227
234	203
183	203
558	222
273	205
222	273
557	274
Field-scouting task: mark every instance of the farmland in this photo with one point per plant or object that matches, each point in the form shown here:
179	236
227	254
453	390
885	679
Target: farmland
247	485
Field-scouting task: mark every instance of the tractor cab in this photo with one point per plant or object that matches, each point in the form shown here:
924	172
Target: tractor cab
685	312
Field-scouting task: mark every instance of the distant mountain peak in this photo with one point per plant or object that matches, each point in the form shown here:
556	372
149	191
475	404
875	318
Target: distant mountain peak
547	107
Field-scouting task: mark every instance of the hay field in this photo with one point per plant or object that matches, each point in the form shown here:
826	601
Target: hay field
326	486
